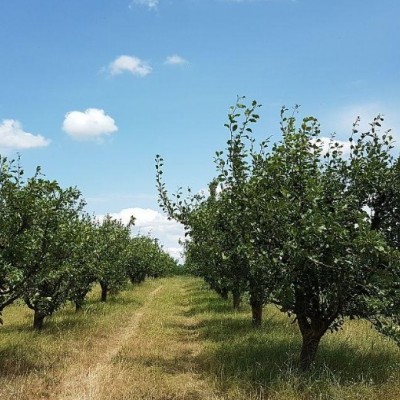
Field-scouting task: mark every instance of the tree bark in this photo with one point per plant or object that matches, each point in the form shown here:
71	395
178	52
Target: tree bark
104	291
38	320
309	349
311	332
256	312
236	299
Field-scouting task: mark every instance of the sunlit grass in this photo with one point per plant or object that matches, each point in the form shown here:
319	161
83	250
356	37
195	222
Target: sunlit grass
33	364
188	344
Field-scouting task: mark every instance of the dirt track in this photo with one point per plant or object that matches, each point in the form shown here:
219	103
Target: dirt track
84	383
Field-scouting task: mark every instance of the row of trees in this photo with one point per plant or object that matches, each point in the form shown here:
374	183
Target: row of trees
308	223
52	251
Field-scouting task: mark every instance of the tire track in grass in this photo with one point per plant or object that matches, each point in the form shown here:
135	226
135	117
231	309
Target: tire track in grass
85	383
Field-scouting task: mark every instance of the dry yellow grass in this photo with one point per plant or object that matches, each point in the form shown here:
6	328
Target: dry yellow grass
160	360
140	346
36	365
83	382
171	339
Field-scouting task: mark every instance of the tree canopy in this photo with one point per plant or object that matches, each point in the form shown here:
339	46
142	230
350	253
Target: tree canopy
300	223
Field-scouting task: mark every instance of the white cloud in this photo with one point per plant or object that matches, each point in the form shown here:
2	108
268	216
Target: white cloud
325	144
131	64
153	223
150	4
91	124
13	137
341	120
175	60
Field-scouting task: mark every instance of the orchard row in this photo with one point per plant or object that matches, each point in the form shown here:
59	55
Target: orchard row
53	252
308	223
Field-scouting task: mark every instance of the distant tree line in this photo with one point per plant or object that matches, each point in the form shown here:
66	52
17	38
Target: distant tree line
52	252
307	223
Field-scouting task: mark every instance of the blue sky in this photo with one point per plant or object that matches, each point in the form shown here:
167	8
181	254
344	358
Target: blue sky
103	86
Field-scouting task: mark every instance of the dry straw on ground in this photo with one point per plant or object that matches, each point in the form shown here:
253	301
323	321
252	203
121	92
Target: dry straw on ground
172	339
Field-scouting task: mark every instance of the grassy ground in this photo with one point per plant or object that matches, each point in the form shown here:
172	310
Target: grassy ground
173	339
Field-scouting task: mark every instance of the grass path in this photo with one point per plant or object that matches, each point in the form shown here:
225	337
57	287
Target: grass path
159	362
142	344
172	339
84	383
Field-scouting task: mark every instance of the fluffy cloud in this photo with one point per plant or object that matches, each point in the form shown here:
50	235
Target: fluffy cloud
151	222
150	4
88	125
130	64
13	137
175	60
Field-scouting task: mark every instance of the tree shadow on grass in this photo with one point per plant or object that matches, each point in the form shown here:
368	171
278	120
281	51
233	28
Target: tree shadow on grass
18	360
204	304
348	363
240	351
203	300
268	357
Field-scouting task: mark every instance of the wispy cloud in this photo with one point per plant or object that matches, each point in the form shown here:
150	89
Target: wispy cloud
259	1
13	137
91	124
341	120
175	60
150	4
131	64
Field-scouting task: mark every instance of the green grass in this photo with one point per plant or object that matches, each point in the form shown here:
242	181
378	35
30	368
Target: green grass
190	345
355	363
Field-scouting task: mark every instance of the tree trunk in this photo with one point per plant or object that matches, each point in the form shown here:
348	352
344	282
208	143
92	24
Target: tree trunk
236	299
311	332
104	291
78	306
309	350
38	320
256	312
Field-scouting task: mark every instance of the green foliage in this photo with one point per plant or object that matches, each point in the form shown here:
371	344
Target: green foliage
111	240
83	271
146	258
57	219
19	235
288	225
52	252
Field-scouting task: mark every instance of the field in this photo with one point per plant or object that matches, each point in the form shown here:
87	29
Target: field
173	339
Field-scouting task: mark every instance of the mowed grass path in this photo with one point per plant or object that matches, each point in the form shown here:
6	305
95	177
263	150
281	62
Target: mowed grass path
174	339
